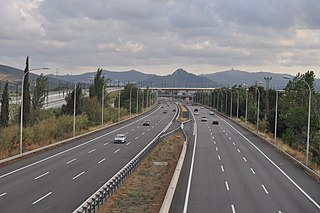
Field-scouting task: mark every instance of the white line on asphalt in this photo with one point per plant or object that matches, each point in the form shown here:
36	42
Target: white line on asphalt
227	186
117	151
186	200
219	157
126	133
252	171
143	133
211	133
75	147
217	149
70	161
212	137
148	130
136	137
40	176
43	197
245	160
138	127
233	143
238	150
264	188
75	177
222	169
226	134
3	194
233	209
132	130
223	131
229	138
152	127
128	143
101	160
274	164
92	151
214	142
210	130
279	211
106	143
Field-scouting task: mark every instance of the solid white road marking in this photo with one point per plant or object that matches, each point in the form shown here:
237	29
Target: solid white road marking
233	209
136	137
40	176
75	177
252	171
117	151
106	143
227	186
101	160
3	194
219	157
128	143
274	164
245	160
264	188
92	151
43	197
70	161
222	169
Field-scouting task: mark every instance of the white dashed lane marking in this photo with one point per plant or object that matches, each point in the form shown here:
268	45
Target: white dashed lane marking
252	171
128	143
117	151
264	188
92	151
101	160
106	143
75	177
70	161
43	197
227	185
40	176
222	169
136	137
245	160
3	194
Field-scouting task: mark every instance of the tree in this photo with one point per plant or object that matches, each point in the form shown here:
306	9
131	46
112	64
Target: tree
26	94
95	90
68	107
4	116
39	92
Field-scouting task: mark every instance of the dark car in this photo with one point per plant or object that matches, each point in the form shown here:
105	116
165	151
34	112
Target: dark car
146	123
165	111
215	122
174	110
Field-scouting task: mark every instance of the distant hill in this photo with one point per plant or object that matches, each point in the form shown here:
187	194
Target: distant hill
14	76
180	78
124	77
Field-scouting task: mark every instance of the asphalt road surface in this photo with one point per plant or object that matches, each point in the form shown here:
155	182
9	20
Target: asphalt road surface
61	179
228	169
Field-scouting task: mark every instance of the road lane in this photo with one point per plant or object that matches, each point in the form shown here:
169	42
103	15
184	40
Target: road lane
74	174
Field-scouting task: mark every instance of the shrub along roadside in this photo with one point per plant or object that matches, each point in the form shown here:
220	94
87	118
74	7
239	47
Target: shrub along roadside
145	189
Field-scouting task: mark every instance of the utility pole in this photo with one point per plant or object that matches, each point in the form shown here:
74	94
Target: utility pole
268	79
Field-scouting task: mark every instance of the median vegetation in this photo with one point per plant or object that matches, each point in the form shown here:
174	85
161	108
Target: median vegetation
42	127
146	187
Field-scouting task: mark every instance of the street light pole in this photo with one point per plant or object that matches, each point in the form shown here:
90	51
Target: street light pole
276	119
238	99
130	99
74	109
246	114
21	112
231	104
119	106
137	101
102	104
258	110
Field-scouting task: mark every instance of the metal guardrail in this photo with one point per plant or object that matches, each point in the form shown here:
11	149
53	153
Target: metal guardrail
103	193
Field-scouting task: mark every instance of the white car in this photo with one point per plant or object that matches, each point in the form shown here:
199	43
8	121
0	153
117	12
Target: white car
211	113
120	138
204	119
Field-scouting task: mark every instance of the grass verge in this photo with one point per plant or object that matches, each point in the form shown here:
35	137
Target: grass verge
146	188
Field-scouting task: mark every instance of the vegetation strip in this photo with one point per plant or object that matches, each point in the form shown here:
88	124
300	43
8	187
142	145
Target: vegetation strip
145	189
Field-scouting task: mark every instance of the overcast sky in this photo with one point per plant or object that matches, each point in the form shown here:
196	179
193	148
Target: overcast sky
159	36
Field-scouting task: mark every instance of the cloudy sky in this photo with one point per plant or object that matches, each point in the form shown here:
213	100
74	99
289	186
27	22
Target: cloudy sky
159	36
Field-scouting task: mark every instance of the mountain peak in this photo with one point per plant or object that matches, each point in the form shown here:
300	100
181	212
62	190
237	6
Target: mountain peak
180	72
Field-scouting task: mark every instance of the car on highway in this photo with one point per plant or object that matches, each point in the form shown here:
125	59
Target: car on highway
211	113
204	118
174	110
165	111
120	138
201	107
215	122
146	123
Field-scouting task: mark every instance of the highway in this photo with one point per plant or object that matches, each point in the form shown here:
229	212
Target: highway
228	169
61	179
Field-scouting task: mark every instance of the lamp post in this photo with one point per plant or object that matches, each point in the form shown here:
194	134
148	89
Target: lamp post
226	106
137	101
74	109
309	112
276	119
231	104
119	103
142	100
21	112
130	99
238	99
102	104
258	108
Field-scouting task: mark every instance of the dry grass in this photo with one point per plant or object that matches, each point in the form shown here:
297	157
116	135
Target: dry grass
182	109
145	189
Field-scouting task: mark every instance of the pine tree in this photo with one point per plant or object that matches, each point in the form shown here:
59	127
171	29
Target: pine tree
26	94
4	115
